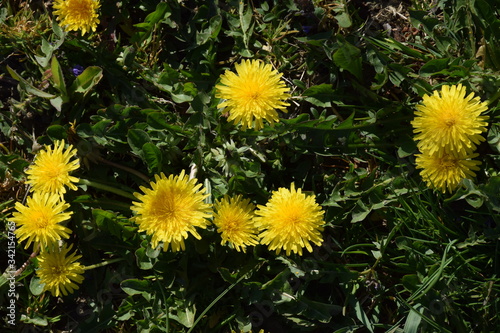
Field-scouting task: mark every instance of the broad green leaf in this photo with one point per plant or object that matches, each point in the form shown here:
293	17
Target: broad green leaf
57	132
348	57
360	212
492	192
470	193
27	86
36	319
347	123
187	316
414	318
153	253
434	66
58	78
320	95
136	139
398	73
135	286
152	156
57	102
494	137
407	147
143	261
36	288
161	12
103	218
411	282
59	32
361	315
344	20
87	80
319	311
214	27
422	17
245	17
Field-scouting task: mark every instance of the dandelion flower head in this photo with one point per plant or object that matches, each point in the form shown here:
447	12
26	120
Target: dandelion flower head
51	168
171	210
234	220
252	94
40	220
59	272
290	221
446	172
449	122
77	14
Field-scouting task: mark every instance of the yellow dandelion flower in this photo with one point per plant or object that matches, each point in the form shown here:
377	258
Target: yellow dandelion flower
59	272
290	221
77	14
253	94
50	170
446	172
40	220
234	221
449	122
170	209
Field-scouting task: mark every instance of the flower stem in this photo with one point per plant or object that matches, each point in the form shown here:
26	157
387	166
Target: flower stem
33	255
104	263
106	188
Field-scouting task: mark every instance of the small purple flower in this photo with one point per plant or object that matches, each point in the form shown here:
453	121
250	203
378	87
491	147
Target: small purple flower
307	28
77	70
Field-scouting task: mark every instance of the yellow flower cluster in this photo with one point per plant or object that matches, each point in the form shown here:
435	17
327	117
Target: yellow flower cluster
175	206
448	127
41	220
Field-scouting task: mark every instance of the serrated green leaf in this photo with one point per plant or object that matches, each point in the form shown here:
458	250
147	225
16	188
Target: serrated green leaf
434	66
135	286
152	156
143	261
320	95
136	139
360	211
348	57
